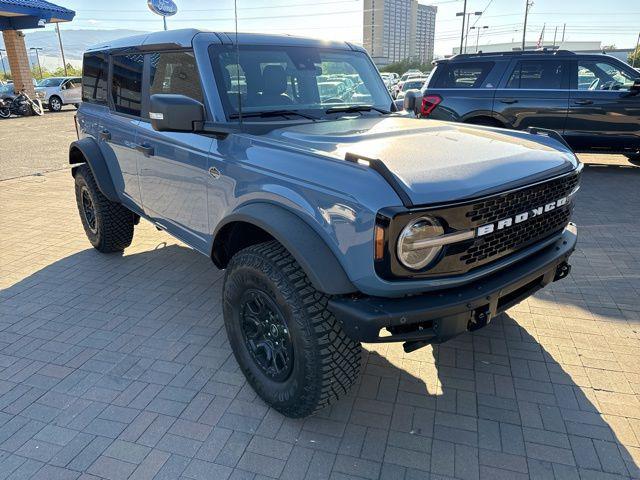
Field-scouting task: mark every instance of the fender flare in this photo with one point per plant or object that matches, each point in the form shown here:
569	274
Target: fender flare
87	151
312	253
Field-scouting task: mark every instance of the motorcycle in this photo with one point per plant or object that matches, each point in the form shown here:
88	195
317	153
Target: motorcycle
21	105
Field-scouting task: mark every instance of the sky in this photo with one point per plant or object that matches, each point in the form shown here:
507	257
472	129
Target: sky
614	22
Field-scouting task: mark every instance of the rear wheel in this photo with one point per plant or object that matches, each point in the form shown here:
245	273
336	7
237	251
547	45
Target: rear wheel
290	347
5	112
55	103
108	225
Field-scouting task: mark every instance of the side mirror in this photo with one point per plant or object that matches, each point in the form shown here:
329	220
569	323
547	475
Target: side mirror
635	88
412	101
175	113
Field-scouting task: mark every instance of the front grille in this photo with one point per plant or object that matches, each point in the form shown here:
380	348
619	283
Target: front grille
520	236
464	256
497	208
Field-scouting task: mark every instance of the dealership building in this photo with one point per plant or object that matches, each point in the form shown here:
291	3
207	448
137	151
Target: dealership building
396	30
18	15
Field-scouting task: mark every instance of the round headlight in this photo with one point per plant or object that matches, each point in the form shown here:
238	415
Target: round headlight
414	249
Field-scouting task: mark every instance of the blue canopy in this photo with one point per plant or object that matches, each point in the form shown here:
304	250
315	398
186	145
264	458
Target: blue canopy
24	14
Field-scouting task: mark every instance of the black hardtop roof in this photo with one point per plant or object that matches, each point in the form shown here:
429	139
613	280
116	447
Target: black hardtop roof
513	53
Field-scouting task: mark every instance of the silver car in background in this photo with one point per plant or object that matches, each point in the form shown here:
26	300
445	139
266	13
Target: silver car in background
56	92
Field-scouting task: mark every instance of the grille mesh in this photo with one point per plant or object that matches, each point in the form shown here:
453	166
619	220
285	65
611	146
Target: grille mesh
492	210
502	242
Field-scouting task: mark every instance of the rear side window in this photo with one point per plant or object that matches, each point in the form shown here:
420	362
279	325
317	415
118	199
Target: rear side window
94	81
463	75
126	89
537	75
176	73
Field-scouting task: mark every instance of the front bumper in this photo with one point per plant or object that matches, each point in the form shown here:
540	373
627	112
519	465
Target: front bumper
435	317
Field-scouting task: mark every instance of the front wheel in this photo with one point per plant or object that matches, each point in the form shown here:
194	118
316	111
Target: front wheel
37	108
290	347
55	104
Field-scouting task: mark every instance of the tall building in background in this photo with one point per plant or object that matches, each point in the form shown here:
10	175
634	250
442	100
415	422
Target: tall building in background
396	30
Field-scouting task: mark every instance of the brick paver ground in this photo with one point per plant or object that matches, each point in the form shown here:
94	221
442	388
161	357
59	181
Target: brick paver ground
118	367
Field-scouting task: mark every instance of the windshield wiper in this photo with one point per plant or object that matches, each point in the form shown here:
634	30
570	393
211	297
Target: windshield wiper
273	113
356	108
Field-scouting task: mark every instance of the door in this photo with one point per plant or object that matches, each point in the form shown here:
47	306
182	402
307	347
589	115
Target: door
118	138
173	166
603	113
71	91
534	93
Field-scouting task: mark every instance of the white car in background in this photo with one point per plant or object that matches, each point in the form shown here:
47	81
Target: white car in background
58	91
414	84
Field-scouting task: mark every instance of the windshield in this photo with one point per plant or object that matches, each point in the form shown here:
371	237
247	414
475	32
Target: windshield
50	82
310	80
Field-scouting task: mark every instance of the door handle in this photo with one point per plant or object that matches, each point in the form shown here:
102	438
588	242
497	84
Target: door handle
583	102
146	150
508	101
105	135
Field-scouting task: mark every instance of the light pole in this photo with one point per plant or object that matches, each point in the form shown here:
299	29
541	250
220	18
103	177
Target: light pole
466	38
462	14
478	35
4	69
64	62
526	16
37	49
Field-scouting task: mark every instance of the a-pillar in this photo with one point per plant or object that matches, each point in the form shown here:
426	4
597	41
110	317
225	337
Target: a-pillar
18	61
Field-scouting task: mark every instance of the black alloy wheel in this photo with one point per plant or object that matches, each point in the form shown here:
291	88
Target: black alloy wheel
266	335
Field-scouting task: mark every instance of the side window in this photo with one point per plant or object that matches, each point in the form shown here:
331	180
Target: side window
175	73
593	75
537	75
94	81
464	75
126	89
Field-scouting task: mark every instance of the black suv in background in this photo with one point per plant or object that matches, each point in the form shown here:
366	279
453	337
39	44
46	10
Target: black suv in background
593	101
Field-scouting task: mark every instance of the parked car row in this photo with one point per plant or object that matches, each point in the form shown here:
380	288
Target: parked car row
591	100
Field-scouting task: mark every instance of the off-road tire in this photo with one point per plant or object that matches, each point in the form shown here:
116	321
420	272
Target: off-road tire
55	103
326	363
113	223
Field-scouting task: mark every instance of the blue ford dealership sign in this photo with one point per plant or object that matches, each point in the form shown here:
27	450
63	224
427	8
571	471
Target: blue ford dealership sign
165	8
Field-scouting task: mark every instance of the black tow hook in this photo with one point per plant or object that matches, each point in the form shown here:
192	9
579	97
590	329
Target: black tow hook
562	271
479	319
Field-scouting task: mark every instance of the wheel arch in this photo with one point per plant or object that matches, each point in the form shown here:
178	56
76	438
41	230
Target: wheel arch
484	119
259	222
87	151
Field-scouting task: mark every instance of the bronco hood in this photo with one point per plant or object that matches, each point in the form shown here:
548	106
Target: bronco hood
438	162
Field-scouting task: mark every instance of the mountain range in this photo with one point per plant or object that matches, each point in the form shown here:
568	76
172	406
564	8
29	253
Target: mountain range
75	43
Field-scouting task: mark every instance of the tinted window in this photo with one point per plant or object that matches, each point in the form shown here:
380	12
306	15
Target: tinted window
94	82
463	75
593	75
50	82
126	89
176	73
537	74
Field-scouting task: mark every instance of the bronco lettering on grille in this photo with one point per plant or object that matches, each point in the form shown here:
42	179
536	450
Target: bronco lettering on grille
521	217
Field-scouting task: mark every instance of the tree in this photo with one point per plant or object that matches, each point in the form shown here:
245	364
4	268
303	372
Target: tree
635	55
407	64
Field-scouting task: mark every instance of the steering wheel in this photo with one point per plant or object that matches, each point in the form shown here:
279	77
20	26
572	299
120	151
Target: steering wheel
594	84
334	100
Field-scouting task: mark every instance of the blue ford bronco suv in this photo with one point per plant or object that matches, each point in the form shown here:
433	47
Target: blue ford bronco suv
338	220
